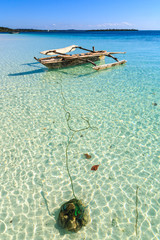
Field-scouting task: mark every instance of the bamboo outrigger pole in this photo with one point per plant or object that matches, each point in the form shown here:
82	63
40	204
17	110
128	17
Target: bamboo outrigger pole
109	65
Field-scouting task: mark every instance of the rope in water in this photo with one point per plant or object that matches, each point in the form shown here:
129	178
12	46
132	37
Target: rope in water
74	131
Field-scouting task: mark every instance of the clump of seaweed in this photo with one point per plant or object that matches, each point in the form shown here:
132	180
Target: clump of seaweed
88	156
73	215
95	167
154	104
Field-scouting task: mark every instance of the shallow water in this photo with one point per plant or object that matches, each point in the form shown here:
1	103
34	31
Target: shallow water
120	108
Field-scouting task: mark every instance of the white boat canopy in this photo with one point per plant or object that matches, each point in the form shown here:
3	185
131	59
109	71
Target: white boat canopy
60	50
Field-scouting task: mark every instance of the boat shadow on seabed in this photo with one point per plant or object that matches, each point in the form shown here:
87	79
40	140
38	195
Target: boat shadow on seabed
77	70
34	64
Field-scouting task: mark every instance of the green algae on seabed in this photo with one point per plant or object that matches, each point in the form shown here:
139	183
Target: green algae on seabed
73	215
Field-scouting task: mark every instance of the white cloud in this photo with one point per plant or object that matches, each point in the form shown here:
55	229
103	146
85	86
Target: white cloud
127	24
113	25
107	25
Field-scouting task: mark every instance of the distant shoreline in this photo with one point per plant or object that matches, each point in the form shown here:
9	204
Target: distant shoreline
10	30
105	30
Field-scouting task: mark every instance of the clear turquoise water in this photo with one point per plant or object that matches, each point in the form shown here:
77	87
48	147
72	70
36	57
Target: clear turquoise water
124	137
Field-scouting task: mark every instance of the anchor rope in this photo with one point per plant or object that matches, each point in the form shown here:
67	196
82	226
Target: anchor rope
74	131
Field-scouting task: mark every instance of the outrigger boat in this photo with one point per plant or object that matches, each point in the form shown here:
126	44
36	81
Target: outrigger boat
62	60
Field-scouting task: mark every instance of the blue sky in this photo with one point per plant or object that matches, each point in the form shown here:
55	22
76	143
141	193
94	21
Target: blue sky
82	14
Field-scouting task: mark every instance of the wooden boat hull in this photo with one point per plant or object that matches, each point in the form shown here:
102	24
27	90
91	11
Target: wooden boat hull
68	61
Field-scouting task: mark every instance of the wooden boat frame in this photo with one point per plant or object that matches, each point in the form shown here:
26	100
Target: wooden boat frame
62	60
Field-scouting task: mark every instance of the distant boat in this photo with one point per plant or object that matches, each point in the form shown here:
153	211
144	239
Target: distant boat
62	60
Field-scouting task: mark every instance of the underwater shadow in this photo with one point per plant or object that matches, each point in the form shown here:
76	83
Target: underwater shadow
88	71
28	72
61	231
33	64
54	216
77	74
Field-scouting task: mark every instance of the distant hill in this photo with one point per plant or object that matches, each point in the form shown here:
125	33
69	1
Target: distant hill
4	29
10	30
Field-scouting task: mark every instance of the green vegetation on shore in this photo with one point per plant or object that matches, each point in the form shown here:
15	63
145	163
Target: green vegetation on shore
10	30
4	29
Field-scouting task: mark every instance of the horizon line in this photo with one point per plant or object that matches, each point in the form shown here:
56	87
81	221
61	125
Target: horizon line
103	29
